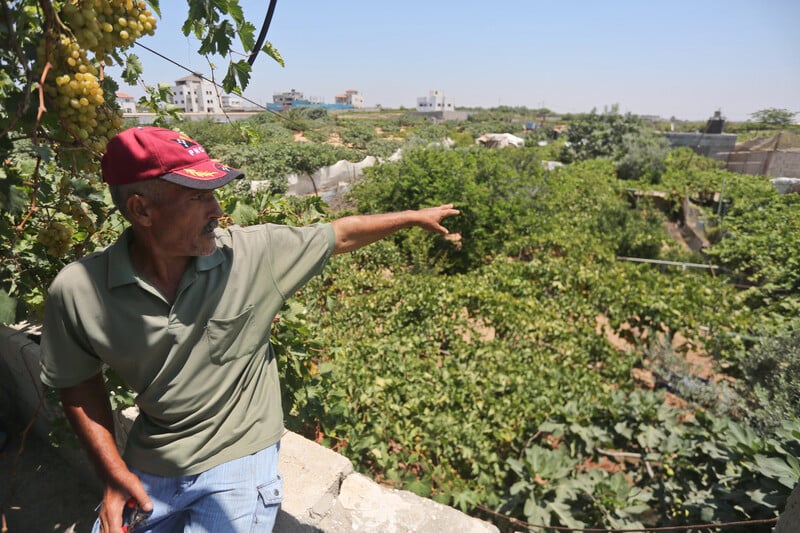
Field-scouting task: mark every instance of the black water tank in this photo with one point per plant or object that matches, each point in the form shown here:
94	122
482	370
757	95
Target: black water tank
716	123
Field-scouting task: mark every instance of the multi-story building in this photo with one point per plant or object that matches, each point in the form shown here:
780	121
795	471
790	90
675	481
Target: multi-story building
351	97
435	101
292	98
193	94
127	103
231	102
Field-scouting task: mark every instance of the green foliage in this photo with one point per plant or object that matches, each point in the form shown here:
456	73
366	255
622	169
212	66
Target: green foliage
750	226
637	233
596	135
769	392
774	116
57	109
155	102
644	157
211	134
430	134
671	469
431	378
759	245
49	217
493	189
383	149
315	113
273	161
358	136
475	128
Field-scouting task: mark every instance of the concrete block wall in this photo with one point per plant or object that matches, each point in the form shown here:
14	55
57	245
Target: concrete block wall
322	492
784	164
777	164
748	162
707	144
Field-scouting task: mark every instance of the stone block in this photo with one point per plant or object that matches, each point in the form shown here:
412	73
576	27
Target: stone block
312	476
363	505
789	520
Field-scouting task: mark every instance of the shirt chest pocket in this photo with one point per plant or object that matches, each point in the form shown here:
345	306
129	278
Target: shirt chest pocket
231	338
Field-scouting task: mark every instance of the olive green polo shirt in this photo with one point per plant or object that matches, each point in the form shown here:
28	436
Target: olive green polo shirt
203	368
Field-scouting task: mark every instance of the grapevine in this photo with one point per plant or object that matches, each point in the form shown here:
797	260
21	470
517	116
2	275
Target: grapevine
58	109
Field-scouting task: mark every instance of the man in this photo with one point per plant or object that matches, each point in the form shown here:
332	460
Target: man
181	310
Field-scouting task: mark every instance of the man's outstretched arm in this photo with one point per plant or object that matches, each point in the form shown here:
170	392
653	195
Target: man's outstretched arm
356	231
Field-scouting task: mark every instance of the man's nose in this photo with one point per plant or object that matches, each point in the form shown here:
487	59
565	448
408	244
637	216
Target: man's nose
216	210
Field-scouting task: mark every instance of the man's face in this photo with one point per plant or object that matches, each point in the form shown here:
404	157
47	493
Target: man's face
184	220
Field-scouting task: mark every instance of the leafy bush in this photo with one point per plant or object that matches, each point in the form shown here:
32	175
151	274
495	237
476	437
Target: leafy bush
668	469
768	386
596	135
274	161
358	135
485	185
644	158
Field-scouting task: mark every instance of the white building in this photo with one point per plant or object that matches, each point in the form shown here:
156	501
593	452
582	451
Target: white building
193	94
127	103
351	97
231	101
435	101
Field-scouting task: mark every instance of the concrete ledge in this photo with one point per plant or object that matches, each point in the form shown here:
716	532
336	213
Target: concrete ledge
322	493
789	520
313	476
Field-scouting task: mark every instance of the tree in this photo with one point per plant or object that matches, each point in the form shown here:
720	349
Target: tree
593	135
58	109
774	116
644	157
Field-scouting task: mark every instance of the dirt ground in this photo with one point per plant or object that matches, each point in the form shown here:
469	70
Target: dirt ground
39	491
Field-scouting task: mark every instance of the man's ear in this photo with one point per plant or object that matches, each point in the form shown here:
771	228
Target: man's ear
139	209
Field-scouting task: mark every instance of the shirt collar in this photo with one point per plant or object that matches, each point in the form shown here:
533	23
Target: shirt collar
120	267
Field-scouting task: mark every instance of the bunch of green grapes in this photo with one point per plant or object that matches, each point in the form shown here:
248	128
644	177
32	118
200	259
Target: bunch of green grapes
76	93
103	26
96	27
56	237
76	210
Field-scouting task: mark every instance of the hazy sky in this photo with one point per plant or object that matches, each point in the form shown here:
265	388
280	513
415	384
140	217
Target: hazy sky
680	58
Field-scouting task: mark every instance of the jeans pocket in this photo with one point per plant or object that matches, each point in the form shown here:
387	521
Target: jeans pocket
270	496
271	493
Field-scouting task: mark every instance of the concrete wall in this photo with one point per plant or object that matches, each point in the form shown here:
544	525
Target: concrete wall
747	162
784	164
780	163
322	492
454	116
777	164
708	144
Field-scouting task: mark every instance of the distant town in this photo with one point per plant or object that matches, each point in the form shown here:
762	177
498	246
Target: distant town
196	95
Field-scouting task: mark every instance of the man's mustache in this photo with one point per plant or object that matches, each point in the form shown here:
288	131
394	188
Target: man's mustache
211	226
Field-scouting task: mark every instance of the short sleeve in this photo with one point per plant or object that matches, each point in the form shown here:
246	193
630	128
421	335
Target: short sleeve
66	356
296	254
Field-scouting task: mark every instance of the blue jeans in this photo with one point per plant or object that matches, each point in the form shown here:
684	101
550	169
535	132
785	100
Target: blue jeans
240	496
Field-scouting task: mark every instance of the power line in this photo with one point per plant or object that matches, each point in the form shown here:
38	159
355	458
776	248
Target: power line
217	85
263	34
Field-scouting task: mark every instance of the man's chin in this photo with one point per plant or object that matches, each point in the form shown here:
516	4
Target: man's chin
209	245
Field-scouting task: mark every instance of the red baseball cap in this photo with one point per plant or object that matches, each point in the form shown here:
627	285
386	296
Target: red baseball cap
146	152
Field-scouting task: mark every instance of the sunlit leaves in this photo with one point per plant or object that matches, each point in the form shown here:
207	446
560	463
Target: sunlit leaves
272	52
